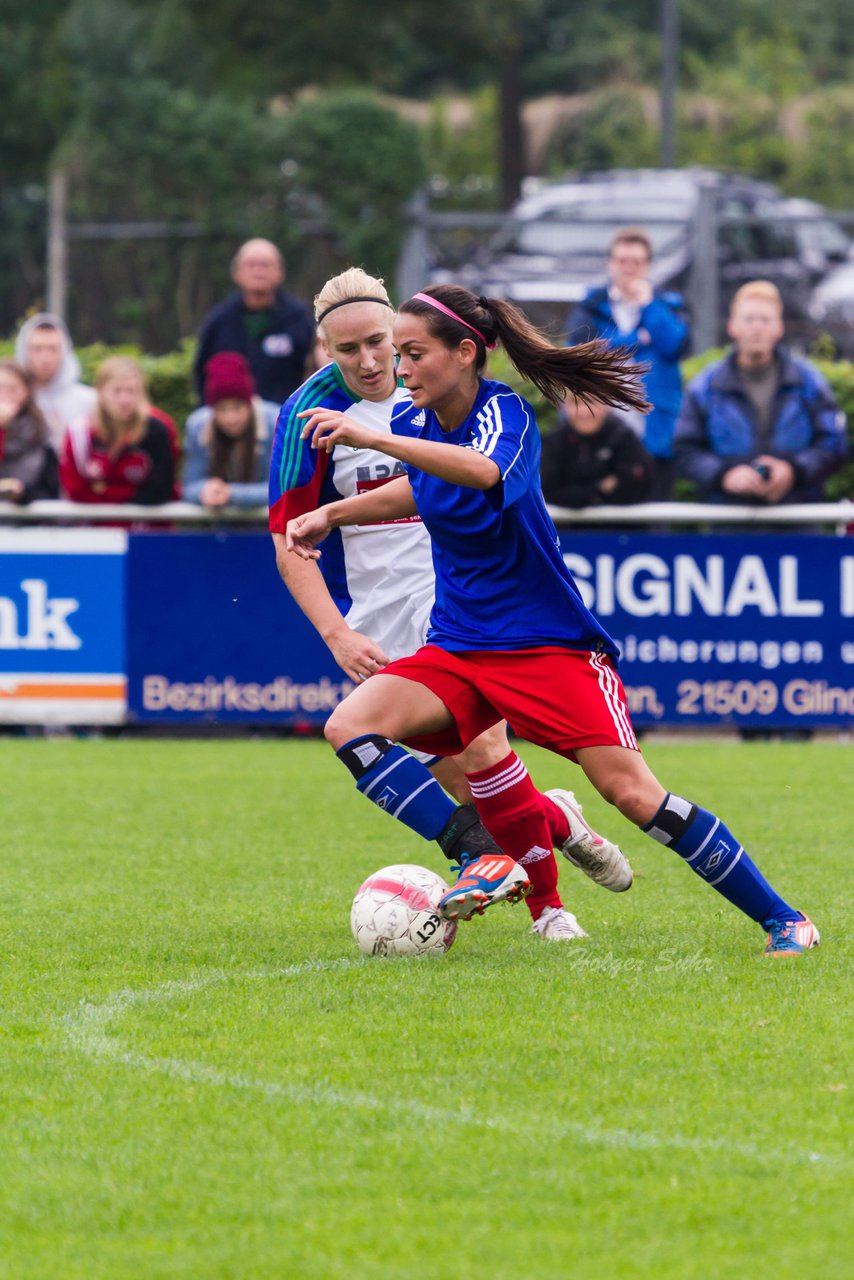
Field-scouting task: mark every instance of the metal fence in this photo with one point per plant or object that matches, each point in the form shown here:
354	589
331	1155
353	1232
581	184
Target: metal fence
838	516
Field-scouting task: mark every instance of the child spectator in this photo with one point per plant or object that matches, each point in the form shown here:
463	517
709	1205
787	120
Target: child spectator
122	453
28	467
593	458
227	442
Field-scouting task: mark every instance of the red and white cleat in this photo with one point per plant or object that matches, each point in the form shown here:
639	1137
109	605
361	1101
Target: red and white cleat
556	924
597	857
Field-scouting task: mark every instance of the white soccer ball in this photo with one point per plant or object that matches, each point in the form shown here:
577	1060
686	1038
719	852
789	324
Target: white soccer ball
395	913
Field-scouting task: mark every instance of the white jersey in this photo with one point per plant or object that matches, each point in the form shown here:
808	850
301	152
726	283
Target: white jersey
380	575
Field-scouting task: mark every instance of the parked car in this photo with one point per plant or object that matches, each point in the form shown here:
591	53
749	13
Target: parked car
822	242
832	308
554	243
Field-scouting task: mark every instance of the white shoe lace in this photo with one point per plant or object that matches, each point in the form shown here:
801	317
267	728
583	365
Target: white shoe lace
556	924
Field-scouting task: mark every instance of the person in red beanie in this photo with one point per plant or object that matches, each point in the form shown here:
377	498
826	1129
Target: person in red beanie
227	442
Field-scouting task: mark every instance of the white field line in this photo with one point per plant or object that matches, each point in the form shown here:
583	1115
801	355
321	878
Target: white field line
84	1031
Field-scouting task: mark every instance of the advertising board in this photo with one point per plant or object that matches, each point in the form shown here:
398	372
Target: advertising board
750	630
62	626
753	631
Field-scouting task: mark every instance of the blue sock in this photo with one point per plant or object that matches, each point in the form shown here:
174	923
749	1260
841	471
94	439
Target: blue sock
397	782
715	855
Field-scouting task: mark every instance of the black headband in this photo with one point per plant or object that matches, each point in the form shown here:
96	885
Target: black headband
345	302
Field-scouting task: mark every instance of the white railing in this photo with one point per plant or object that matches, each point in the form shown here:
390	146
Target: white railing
838	514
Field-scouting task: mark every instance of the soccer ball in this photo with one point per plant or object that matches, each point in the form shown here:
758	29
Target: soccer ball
395	913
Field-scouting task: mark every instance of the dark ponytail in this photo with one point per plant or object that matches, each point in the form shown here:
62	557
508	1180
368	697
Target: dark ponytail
591	370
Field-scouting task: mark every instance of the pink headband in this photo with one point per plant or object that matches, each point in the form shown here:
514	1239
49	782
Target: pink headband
440	306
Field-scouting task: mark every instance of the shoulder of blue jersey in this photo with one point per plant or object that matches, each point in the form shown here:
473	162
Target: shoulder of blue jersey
406	420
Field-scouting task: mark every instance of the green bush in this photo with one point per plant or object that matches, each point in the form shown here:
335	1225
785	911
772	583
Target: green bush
359	190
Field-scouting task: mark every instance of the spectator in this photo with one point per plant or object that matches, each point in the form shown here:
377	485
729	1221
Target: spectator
122	453
270	327
761	425
628	312
593	458
227	442
44	348
27	462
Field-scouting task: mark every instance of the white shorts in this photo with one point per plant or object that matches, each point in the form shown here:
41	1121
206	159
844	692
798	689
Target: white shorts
399	629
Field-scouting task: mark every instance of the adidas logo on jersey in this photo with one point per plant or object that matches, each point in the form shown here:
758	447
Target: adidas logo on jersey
420	419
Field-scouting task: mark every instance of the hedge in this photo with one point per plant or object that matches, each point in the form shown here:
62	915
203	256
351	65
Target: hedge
170	388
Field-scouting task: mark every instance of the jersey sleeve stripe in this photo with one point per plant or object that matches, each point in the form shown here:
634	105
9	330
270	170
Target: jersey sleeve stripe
313	392
519	451
491	428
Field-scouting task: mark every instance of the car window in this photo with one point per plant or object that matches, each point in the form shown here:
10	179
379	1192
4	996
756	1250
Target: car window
586	228
775	240
823	236
747	239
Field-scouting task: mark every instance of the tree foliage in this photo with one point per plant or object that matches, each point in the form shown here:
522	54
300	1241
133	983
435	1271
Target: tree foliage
162	109
360	161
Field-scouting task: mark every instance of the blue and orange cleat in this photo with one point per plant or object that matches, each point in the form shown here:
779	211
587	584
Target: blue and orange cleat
791	937
483	881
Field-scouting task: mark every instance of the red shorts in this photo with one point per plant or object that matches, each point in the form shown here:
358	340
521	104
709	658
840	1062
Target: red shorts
562	699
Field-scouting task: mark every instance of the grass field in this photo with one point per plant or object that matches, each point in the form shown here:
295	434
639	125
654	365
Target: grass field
202	1078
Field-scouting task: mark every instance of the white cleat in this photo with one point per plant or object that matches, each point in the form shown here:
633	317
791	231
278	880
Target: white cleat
558	925
597	857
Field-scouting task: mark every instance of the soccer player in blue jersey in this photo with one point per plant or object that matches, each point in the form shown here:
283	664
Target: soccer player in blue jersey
373	599
510	636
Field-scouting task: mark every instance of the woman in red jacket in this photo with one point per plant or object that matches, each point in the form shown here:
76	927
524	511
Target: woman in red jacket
123	453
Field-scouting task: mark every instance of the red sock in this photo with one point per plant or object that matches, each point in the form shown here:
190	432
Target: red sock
557	820
512	810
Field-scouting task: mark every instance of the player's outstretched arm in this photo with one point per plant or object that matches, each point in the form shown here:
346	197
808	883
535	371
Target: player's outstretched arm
389	502
452	462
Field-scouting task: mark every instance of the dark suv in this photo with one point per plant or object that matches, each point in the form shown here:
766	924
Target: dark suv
554	244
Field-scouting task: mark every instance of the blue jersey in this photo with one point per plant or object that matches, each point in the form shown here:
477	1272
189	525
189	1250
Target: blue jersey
501	582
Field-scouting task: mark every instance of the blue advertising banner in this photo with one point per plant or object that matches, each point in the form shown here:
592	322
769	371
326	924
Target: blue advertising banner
214	636
749	630
745	630
62	626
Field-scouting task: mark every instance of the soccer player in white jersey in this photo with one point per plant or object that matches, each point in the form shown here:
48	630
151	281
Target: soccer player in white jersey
372	602
510	637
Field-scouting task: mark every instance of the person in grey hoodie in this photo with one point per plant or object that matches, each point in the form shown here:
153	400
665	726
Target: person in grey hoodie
44	348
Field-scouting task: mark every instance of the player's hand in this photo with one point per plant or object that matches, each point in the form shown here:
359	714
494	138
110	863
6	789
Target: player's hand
356	654
781	478
303	534
327	427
